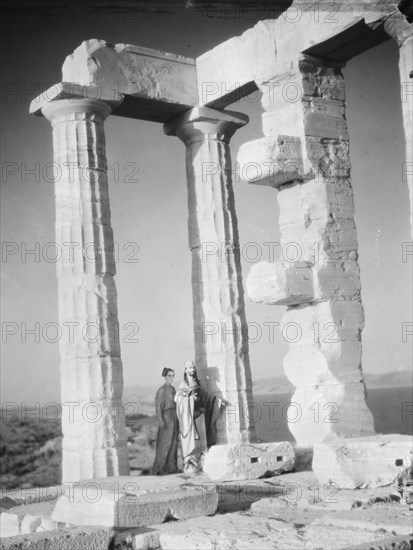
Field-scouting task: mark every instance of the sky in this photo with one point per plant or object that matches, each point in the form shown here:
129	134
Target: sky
149	208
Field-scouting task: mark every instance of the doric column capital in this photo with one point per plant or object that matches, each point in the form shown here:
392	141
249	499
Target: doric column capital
397	27
202	123
67	98
80	109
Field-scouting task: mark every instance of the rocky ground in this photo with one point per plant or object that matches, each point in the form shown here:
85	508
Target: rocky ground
31	451
290	511
287	512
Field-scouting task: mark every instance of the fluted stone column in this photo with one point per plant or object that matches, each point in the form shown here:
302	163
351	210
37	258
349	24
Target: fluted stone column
400	30
93	424
321	284
221	343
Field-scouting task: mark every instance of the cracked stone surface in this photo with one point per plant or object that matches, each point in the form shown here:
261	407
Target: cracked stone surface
289	511
94	437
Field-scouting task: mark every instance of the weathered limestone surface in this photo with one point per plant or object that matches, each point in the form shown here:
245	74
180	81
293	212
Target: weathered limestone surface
143	538
28	518
70	538
291	529
401	31
71	91
236	462
135	501
143	75
274	284
300	513
366	522
323	323
272	161
94	438
269	47
363	462
221	346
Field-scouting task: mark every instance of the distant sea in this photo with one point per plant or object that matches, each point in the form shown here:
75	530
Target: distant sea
385	404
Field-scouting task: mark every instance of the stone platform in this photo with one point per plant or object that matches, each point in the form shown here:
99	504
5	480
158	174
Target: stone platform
288	512
125	501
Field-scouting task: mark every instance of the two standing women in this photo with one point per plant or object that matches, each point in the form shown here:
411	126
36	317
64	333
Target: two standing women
196	411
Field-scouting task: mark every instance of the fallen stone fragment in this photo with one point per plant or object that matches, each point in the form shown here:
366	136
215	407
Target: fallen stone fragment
252	461
137	539
362	462
28	518
125	501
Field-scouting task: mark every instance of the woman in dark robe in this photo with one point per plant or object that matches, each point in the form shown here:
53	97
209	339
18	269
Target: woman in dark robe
167	440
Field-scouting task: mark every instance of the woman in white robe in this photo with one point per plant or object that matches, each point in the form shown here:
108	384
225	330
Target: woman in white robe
197	410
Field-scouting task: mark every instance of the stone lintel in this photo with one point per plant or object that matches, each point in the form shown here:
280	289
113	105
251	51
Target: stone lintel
141	73
240	462
353	40
125	501
205	120
230	66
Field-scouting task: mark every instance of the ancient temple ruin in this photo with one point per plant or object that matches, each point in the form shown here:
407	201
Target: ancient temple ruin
304	154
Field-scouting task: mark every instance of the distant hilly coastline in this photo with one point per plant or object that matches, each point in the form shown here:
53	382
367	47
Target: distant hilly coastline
145	395
396	379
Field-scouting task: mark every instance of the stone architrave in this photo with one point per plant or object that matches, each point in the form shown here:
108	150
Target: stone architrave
93	424
317	229
156	85
221	346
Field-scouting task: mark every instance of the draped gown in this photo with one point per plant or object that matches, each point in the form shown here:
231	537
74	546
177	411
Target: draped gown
167	438
197	410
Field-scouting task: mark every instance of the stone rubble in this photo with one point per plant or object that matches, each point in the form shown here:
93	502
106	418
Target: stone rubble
363	461
242	462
